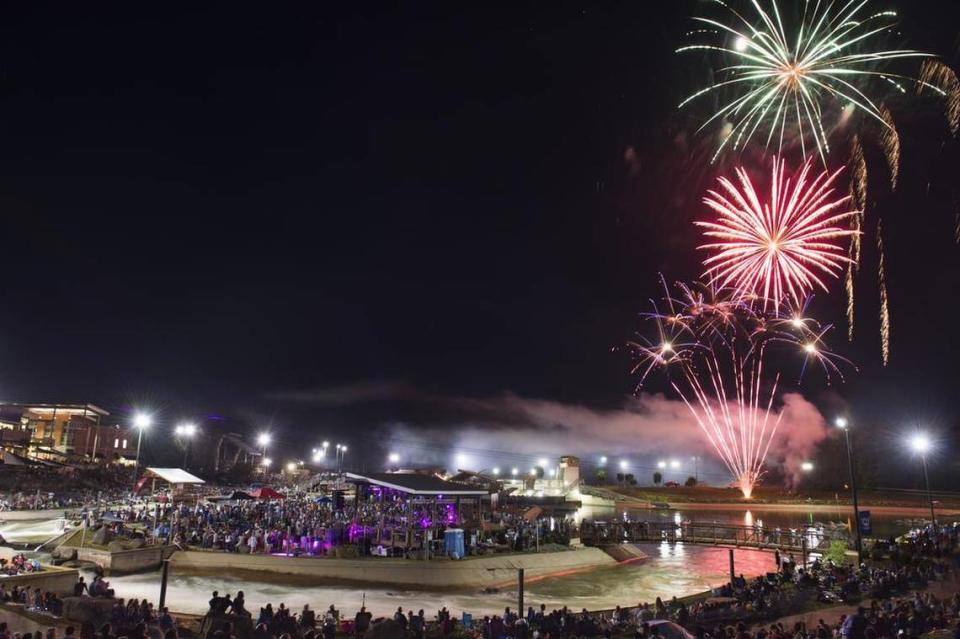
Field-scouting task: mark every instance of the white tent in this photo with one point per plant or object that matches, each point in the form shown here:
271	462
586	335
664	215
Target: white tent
174	475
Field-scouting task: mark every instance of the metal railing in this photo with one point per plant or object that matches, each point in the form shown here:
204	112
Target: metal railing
713	534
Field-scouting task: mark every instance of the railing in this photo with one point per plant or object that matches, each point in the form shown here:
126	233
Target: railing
808	538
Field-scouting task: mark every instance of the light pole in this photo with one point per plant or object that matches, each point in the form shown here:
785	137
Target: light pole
141	422
263	439
341	452
920	444
185	431
844	425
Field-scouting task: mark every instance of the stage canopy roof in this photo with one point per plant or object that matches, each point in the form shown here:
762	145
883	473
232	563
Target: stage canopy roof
174	475
415	484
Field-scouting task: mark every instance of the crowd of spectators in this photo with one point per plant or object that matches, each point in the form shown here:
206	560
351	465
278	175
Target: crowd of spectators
887	596
890	595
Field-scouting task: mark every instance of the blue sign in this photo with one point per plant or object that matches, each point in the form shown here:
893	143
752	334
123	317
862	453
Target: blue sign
865	526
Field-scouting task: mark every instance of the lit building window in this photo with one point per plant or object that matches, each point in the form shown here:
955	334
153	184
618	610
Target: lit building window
124	443
116	443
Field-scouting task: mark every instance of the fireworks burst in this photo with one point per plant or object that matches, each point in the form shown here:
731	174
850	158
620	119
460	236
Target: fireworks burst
784	77
718	344
782	247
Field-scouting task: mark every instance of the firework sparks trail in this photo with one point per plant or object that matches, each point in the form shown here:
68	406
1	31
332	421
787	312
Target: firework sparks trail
937	74
884	299
890	143
718	343
784	75
858	195
779	248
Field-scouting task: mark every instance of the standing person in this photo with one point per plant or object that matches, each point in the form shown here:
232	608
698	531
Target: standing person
854	626
330	627
165	621
417	625
400	618
308	618
238	607
361	622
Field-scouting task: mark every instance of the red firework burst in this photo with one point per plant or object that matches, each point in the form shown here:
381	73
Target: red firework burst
780	248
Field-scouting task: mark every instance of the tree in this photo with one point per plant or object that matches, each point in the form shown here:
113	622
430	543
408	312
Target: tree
657	478
691	482
619	478
631	479
837	552
602	476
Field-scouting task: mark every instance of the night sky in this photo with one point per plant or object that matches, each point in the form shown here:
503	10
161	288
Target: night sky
221	210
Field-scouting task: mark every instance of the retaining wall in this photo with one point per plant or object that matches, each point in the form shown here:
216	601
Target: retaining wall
52	578
438	573
123	562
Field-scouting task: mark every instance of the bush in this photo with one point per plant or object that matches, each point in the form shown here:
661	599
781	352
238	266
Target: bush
691	482
657	478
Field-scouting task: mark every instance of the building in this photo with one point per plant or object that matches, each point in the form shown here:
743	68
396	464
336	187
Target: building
63	432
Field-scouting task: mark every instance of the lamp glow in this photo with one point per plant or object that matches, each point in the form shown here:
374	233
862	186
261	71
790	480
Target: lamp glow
920	443
185	430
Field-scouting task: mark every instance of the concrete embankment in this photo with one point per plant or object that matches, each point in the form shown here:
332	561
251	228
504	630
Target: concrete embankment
479	572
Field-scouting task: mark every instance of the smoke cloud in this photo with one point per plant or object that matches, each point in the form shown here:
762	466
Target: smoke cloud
435	427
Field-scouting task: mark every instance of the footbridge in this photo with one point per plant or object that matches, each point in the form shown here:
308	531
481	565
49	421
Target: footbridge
799	540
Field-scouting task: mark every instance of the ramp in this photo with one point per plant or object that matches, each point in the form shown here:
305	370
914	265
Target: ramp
624	552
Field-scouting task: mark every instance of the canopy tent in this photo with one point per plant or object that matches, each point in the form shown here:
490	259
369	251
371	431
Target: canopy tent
178	479
173	475
416	484
12	459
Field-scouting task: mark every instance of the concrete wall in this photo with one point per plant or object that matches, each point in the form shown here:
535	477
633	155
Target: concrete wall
52	578
126	561
492	571
30	515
